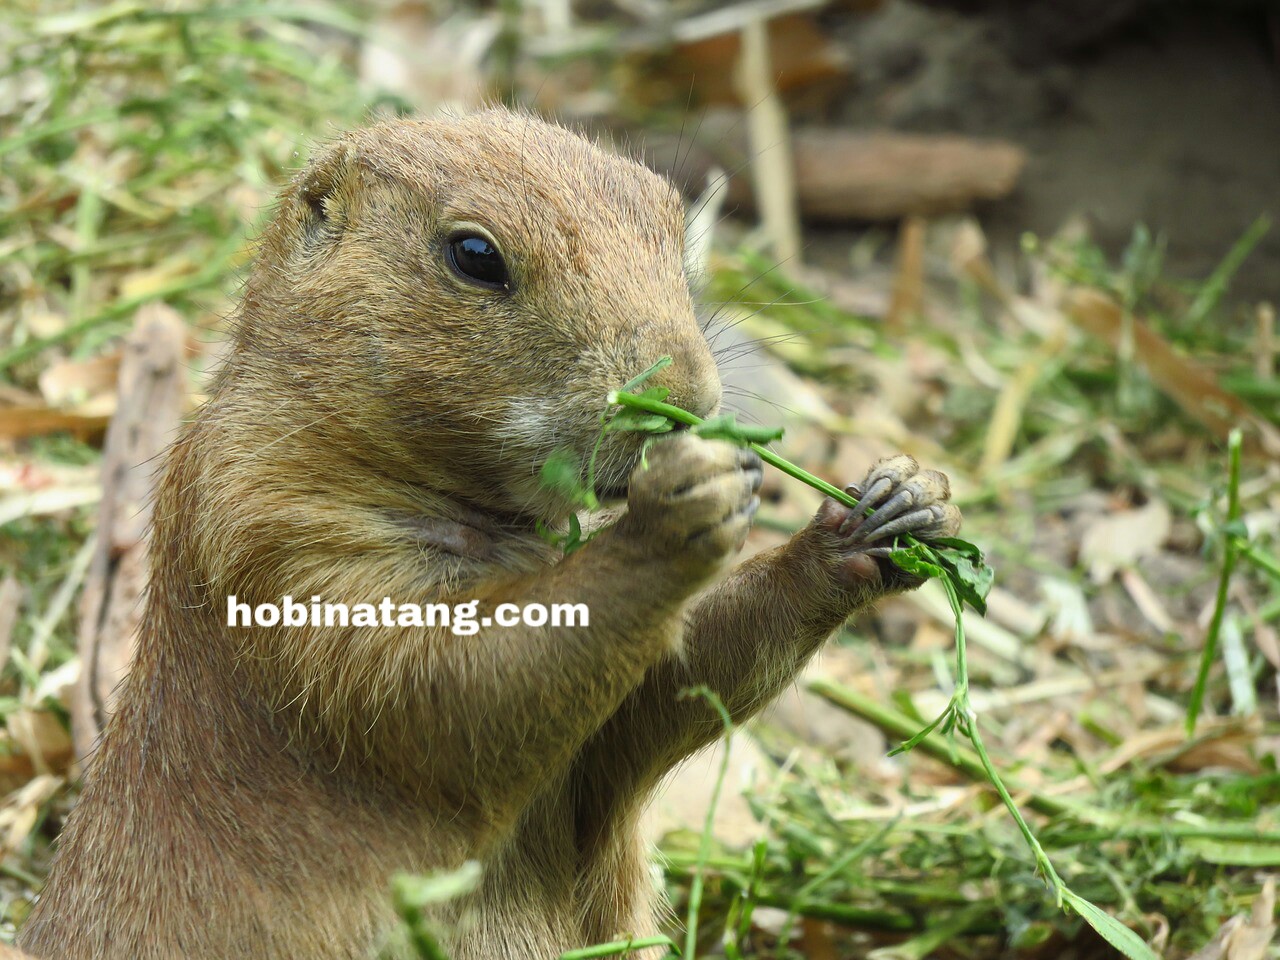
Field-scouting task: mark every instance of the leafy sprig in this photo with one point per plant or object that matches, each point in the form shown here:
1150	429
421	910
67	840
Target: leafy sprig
627	412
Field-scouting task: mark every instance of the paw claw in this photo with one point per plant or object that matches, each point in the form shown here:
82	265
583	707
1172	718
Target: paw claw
876	491
897	498
917	522
896	505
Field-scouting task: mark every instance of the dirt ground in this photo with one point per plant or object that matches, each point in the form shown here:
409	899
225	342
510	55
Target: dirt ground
1171	120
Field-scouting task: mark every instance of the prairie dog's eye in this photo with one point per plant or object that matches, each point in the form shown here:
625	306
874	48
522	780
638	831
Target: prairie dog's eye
475	258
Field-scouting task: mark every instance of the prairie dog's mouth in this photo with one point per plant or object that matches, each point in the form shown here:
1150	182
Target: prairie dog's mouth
611	494
611	483
616	460
613	469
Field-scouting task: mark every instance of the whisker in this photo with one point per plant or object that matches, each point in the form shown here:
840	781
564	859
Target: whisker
712	339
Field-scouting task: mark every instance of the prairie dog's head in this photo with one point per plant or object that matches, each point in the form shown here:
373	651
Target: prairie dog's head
463	293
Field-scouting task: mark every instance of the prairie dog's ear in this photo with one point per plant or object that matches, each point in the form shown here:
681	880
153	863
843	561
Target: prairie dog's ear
323	195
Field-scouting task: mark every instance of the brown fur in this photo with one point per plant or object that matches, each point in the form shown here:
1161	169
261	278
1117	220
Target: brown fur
378	431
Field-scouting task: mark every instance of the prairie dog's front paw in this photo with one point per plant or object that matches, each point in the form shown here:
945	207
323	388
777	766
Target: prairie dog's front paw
694	500
896	498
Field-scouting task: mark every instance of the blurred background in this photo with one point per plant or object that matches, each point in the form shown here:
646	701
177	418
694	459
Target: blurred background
1029	243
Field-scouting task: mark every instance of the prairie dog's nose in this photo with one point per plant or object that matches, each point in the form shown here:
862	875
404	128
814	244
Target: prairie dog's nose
692	379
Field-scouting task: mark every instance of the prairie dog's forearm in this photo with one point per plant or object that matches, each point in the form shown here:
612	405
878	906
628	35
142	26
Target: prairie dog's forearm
745	639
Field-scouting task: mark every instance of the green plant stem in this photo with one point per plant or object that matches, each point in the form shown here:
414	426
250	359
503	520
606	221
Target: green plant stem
819	909
615	948
969	726
679	415
939	934
1259	558
29	880
1213	289
967	720
1101	825
961	695
746	902
52	128
423	942
708	827
902	727
1231	549
852	855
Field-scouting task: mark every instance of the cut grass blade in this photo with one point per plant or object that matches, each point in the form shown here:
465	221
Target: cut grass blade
1230	548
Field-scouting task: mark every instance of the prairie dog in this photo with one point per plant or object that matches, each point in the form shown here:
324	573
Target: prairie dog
437	307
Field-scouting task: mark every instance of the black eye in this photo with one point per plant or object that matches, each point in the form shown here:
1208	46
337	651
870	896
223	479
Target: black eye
474	258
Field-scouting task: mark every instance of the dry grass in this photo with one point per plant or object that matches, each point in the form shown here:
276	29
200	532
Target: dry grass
1081	411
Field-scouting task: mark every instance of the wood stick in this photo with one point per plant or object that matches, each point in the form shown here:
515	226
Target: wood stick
844	175
153	393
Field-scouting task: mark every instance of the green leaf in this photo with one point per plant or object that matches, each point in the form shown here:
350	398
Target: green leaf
423	891
970	576
630	385
725	427
575	538
917	559
716	428
413	894
911	744
636	421
757	434
1109	928
1235	854
568	542
959	546
1236	528
959	561
563	474
656	394
80	21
